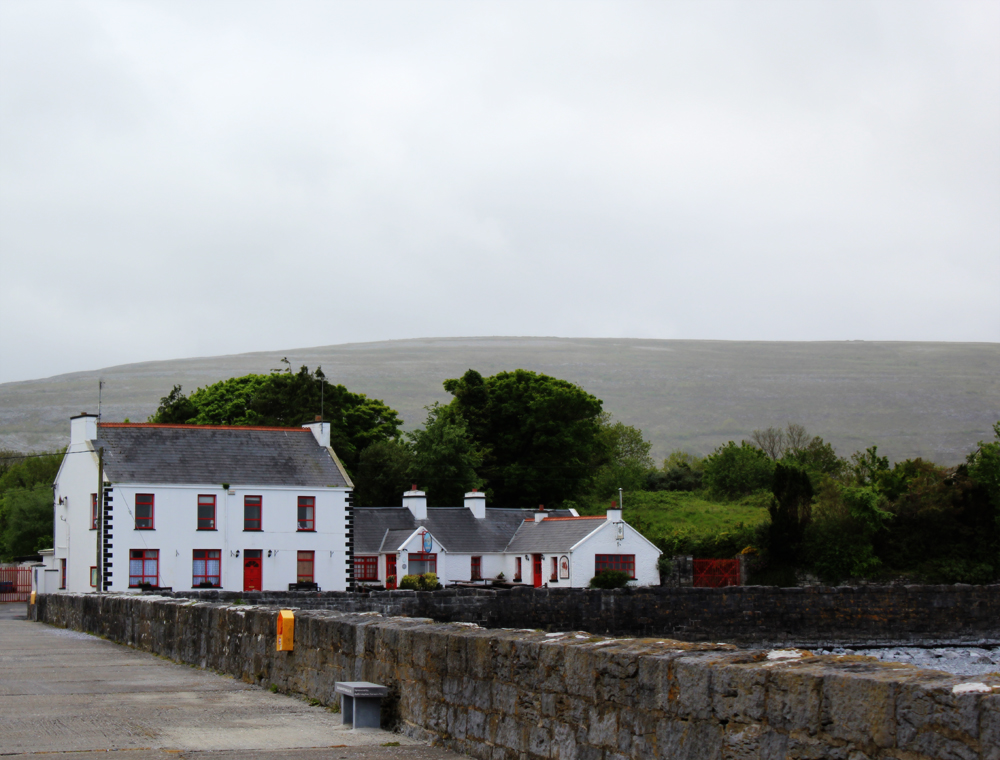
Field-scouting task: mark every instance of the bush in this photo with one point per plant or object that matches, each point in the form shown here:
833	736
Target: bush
610	579
733	471
410	582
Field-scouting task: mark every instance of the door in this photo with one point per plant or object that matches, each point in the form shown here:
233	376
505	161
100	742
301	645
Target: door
251	570
390	571
538	570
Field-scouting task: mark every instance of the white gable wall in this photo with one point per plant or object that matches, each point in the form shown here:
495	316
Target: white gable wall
605	541
75	542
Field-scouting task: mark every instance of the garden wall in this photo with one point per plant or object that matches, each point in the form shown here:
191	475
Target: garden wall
525	695
749	615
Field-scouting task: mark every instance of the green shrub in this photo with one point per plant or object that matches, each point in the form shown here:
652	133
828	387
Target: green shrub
733	471
610	579
429	582
411	582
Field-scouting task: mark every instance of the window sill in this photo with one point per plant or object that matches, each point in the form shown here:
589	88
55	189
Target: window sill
145	528
253	530
306	530
206	530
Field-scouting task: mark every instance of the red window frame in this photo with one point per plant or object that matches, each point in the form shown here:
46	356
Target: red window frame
517	568
144	500
206	512
93	511
306	518
366	568
423	557
144	576
252	502
305	569
555	570
623	562
476	569
206	557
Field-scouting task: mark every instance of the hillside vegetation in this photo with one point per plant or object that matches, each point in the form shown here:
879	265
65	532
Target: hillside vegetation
930	400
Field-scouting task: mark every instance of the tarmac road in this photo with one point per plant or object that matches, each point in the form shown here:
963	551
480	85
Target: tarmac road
74	694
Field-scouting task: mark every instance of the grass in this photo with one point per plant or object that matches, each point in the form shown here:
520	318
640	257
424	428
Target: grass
664	513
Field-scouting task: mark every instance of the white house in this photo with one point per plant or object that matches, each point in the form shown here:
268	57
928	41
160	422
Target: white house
196	506
554	548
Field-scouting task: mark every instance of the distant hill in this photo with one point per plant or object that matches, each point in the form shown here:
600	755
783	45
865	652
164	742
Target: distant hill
933	400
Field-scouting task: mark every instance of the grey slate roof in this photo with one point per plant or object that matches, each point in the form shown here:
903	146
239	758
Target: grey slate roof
553	535
455	527
206	455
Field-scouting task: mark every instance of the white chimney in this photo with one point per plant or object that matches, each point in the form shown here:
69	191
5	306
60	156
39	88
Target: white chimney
477	503
82	428
320	431
540	514
615	513
416	502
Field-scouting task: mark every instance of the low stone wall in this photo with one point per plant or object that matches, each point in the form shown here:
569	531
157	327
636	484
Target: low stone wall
526	695
750	615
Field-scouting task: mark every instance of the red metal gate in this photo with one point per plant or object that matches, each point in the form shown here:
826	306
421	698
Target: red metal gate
715	573
15	584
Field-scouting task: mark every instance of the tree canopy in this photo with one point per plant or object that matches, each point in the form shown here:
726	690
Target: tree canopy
287	399
539	435
26	514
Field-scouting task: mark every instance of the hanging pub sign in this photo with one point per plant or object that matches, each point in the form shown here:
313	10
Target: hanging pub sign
428	542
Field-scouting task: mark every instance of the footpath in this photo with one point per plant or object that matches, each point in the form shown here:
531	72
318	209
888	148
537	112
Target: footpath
74	694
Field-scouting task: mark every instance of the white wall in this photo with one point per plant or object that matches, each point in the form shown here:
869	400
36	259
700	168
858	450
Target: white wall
605	541
74	540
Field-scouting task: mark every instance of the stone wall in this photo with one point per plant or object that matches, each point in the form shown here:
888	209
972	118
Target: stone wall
751	615
526	695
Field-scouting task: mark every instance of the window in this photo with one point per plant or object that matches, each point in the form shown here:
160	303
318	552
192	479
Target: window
93	511
144	511
366	568
207	568
307	513
143	567
304	573
206	513
476	573
421	563
517	569
62	573
251	512
93	576
555	569
623	562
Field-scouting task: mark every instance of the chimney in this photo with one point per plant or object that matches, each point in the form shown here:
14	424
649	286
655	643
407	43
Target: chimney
82	428
477	503
416	502
540	514
320	431
614	514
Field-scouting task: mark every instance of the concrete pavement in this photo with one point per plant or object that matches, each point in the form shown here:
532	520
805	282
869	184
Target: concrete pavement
71	693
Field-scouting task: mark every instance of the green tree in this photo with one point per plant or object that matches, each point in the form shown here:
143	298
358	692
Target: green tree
383	473
732	471
288	399
868	468
626	461
26	520
984	467
445	458
539	435
790	511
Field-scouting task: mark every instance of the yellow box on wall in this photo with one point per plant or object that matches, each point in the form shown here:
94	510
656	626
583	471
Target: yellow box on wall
286	630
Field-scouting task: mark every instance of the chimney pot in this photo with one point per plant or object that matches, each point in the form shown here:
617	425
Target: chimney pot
319	418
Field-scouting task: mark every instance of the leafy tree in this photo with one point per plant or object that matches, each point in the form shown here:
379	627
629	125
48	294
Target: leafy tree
445	458
679	459
868	467
539	435
817	457
26	520
790	511
626	458
839	540
287	399
732	471
383	473
984	467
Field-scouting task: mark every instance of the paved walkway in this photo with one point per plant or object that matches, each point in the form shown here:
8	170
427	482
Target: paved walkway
70	693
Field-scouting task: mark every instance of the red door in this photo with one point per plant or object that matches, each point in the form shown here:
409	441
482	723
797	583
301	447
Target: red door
538	570
251	570
390	571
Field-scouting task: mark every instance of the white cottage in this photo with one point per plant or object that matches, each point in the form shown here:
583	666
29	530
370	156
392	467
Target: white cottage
199	506
553	548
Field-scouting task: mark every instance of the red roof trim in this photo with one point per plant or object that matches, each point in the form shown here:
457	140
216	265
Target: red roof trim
589	517
200	427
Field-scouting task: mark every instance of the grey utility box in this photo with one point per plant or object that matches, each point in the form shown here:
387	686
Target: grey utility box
360	703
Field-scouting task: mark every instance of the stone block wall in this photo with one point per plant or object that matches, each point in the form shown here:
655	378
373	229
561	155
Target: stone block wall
751	615
528	695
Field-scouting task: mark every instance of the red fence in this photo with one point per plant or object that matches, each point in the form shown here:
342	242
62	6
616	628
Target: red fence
715	573
15	584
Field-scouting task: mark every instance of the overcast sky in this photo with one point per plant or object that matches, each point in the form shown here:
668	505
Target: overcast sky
197	178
